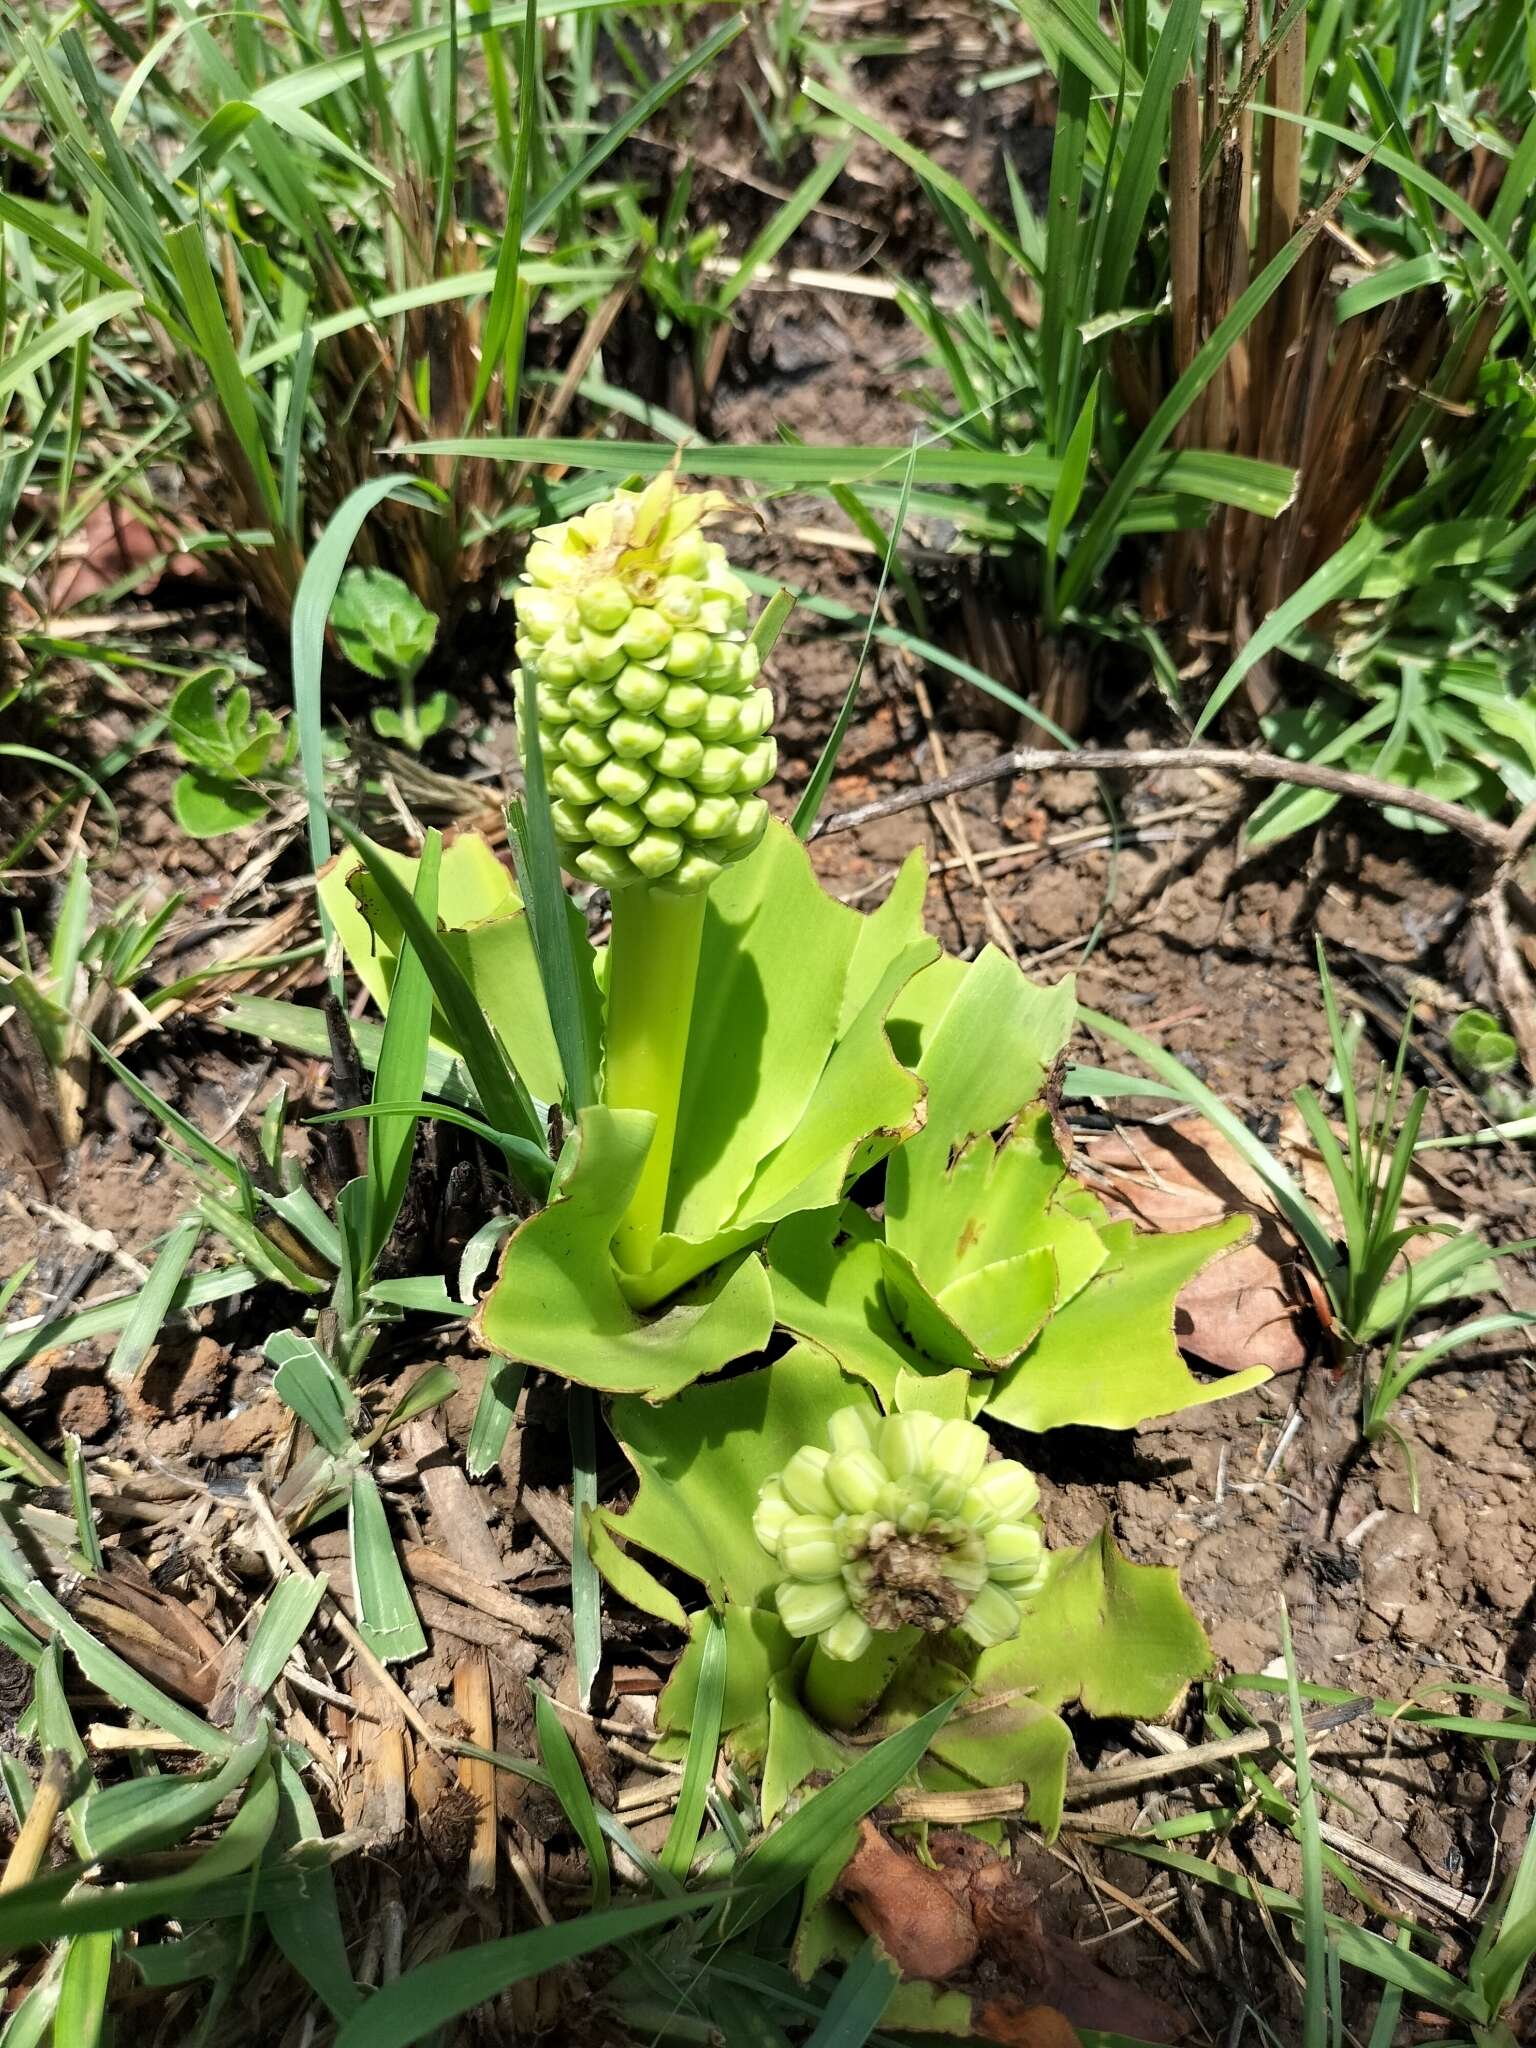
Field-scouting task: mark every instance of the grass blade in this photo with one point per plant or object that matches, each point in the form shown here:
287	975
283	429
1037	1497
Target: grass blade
1298	1211
783	1859
311	611
501	314
33	1334
83	1986
1253	486
1072	27
578	176
306	1381
1314	1932
1338	577
699	1765
302	1030
586	1585
308	1928
561	949
153	1302
62	334
854	2009
502	1095
495	1414
289	1610
209	322
1145	145
80	1501
426	1998
1098	536
402	1071
808	809
386	1616
570	1788
764	247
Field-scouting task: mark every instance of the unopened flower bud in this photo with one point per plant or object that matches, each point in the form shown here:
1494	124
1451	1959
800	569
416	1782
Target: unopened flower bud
807	1607
804	1480
807	1548
858	1480
992	1617
1004	1492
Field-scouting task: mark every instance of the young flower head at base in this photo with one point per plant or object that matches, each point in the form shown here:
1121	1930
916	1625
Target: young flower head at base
654	730
903	1522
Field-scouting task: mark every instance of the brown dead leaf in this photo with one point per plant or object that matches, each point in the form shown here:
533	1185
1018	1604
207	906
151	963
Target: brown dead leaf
938	1924
911	1911
1056	1971
1023	2026
153	1631
1243	1310
1246	1308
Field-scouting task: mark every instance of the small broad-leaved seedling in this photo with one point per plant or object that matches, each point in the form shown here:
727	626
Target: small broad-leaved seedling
230	749
383	629
1481	1047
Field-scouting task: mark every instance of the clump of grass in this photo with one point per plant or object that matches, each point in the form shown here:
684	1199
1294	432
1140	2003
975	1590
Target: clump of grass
1258	259
313	261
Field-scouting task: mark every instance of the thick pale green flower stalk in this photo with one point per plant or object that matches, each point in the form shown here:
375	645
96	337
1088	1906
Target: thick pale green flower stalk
903	1525
655	739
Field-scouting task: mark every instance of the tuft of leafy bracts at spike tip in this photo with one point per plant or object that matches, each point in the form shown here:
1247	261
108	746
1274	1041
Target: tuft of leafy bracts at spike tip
652	724
903	1522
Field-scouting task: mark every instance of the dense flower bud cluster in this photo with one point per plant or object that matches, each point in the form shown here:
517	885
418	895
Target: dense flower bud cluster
654	731
904	1522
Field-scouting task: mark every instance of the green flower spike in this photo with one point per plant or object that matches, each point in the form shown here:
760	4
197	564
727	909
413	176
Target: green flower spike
655	735
632	632
904	1523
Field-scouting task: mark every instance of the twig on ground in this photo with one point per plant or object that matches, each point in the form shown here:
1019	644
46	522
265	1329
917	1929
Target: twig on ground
1253	763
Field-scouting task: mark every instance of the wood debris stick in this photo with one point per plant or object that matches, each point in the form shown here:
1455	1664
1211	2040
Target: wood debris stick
458	1508
551	1516
447	1617
1076	838
522	1870
31	1844
1137	1908
20	1203
472	1699
1113	1780
105	1737
1463	1905
428	1567
375	1791
998	1802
